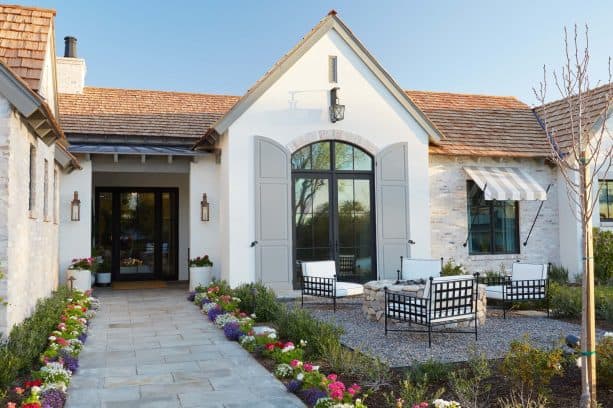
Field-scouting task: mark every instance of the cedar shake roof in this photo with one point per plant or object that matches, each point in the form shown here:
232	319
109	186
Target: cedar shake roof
479	125
24	32
129	112
556	115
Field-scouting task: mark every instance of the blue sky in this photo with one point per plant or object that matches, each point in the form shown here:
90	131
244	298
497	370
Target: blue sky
485	47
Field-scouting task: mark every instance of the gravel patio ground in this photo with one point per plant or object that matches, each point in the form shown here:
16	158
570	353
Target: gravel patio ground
401	349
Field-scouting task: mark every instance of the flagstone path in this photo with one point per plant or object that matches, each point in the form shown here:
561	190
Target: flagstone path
151	348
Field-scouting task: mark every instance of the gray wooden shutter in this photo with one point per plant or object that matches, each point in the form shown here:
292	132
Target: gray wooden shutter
392	209
273	233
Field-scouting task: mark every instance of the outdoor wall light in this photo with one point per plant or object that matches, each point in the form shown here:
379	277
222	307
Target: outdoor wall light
75	208
204	208
337	111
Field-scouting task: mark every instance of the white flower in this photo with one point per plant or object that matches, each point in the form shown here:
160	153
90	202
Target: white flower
303	343
608	334
52	338
315	368
35	390
288	348
300	377
253	315
272	336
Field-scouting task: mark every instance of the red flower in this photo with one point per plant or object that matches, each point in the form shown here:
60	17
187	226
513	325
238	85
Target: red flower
270	347
62	342
33	383
31	405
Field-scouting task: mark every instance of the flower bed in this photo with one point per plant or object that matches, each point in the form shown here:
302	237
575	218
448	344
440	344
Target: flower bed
46	386
220	305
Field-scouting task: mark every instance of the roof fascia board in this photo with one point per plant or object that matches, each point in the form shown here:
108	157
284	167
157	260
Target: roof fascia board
285	63
14	92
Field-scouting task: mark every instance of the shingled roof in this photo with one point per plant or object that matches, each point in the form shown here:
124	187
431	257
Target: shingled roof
24	32
480	125
129	112
557	115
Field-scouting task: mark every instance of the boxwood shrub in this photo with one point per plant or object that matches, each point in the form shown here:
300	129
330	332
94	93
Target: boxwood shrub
565	301
19	352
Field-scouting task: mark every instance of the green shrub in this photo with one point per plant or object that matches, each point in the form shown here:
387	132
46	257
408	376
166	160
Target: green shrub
257	298
603	256
565	301
450	268
298	324
530	369
433	370
413	392
28	339
469	384
558	273
370	372
604	362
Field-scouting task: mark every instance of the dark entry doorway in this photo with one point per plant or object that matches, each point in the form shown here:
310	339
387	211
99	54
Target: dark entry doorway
136	231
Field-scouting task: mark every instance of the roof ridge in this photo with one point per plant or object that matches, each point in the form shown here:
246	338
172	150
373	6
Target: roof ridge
155	90
18	6
466	94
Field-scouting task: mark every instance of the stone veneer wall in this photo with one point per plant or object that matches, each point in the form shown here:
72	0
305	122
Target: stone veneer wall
449	218
28	241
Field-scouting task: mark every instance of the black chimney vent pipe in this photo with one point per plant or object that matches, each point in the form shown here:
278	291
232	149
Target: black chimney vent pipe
70	47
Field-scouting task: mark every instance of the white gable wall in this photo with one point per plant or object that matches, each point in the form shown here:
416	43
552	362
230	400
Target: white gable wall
297	104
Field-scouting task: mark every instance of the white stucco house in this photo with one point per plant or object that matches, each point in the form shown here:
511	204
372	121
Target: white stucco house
325	157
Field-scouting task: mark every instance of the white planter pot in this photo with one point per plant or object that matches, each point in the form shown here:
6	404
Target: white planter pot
82	279
199	276
103	278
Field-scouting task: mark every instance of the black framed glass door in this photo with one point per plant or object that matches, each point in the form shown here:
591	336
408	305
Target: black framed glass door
334	208
136	231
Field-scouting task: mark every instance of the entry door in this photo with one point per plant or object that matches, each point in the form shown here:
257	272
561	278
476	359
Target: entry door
136	231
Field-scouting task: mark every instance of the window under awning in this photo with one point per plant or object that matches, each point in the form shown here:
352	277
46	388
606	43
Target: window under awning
506	183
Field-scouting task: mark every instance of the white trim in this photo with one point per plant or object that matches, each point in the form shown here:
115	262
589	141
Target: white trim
332	134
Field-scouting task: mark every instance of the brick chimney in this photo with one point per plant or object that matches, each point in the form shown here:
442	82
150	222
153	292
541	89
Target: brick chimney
70	69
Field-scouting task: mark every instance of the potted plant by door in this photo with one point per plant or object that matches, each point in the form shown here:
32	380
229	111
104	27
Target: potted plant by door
80	270
200	271
103	274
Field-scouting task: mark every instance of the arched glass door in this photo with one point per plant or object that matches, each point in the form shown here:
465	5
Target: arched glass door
334	208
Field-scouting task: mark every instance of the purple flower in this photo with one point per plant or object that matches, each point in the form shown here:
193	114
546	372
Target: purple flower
214	312
312	395
205	301
191	296
70	363
53	398
83	337
232	331
293	385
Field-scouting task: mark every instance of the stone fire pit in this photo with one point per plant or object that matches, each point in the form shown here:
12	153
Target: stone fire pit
373	305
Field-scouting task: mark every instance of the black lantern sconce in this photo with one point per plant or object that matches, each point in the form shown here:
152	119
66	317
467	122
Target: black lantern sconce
337	111
75	208
204	208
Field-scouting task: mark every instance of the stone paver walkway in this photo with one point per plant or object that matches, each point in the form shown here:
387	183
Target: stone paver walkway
151	348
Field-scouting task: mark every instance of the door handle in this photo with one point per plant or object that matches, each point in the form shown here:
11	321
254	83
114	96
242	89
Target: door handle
254	243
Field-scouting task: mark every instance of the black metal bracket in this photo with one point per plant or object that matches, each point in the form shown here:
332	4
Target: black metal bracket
473	218
536	217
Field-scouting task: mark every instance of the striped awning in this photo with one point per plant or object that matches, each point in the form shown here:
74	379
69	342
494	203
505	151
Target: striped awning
506	183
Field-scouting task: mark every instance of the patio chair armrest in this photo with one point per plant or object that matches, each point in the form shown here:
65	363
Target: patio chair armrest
493	280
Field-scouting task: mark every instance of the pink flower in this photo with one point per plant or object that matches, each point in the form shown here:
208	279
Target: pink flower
351	391
270	347
19	390
11	405
332	377
308	367
295	363
356	387
336	395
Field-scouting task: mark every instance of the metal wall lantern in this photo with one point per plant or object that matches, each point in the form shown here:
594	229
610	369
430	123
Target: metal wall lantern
337	111
75	208
204	208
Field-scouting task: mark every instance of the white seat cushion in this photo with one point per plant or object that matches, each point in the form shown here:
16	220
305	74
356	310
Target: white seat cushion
444	279
494	292
525	271
348	289
415	269
320	269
